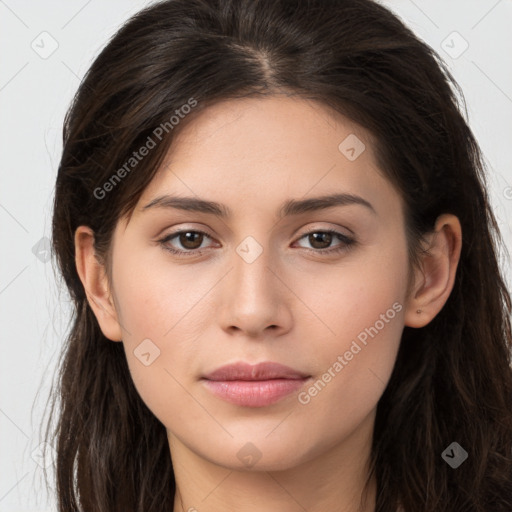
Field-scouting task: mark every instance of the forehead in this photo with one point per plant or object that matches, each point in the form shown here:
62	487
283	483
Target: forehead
253	153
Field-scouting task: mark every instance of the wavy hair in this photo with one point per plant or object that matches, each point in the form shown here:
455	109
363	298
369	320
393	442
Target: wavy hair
452	380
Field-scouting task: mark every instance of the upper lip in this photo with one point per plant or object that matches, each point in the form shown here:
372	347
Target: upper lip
260	371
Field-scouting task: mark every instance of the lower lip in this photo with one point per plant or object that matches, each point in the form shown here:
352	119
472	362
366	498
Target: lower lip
256	393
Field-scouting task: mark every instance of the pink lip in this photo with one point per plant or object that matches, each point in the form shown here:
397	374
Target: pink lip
254	385
261	371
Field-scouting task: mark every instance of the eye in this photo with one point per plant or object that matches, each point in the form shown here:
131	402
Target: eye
191	241
322	239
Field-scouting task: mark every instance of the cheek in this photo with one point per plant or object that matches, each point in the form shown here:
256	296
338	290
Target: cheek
156	309
352	370
162	390
159	364
155	298
349	300
361	309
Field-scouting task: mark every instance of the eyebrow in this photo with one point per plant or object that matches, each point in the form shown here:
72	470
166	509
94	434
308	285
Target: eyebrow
290	207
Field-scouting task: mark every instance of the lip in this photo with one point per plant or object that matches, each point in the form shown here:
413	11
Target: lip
251	372
254	385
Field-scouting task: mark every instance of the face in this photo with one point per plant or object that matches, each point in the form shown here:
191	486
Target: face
316	286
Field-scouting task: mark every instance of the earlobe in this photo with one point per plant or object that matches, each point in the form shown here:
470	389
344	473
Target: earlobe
434	281
95	282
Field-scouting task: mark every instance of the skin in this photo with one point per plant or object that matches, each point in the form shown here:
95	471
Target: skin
289	305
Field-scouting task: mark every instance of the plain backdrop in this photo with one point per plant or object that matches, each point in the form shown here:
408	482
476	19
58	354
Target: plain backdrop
46	47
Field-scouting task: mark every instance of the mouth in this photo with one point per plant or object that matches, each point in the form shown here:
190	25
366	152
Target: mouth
257	385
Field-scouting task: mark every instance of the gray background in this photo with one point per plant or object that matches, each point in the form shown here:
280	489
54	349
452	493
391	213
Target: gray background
46	49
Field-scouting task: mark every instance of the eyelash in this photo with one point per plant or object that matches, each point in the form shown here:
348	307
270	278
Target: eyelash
347	243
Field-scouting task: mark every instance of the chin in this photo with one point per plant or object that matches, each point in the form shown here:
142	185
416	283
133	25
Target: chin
259	454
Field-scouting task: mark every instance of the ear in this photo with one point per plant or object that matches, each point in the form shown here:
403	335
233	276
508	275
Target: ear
94	279
433	283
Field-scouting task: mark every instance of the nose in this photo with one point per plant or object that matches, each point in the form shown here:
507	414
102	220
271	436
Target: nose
255	300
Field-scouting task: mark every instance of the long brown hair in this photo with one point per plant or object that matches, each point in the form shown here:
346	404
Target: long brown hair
452	380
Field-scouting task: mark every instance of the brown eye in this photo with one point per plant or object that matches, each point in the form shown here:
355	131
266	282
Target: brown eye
189	242
189	239
320	242
320	239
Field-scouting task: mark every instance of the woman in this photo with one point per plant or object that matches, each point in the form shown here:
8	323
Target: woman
272	220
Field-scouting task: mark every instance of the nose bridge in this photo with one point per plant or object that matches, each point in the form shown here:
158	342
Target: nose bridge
253	298
251	274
